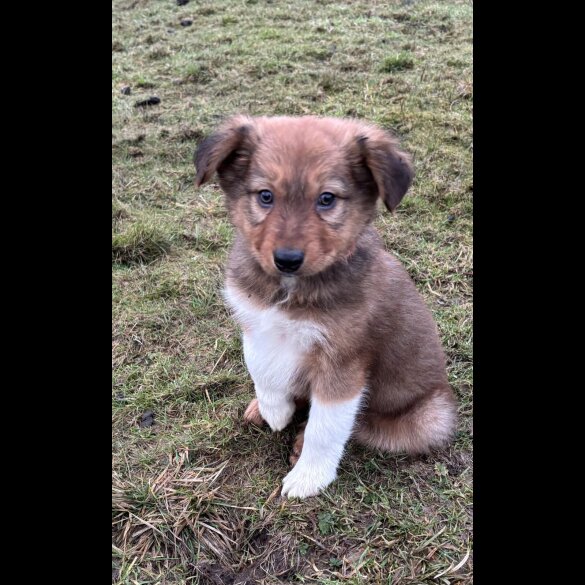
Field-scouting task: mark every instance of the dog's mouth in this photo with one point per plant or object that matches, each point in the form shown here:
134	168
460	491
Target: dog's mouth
289	282
289	275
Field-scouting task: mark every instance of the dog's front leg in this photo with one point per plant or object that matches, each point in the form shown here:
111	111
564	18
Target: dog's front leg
272	373
328	430
276	406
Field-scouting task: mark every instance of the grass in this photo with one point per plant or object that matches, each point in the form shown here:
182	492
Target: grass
397	62
141	241
195	495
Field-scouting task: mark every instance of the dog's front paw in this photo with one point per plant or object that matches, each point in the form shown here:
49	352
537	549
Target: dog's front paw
306	480
278	416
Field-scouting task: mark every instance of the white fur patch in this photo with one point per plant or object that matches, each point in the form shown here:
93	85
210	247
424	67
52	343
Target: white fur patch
328	430
274	346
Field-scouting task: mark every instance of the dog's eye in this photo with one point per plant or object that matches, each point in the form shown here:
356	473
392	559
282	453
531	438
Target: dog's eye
265	198
326	201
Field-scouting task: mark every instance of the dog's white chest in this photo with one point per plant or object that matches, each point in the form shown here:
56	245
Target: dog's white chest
274	344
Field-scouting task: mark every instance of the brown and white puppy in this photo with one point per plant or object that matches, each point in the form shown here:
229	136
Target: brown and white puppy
327	315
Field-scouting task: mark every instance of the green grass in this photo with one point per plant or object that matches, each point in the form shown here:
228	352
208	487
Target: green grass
140	242
195	495
397	62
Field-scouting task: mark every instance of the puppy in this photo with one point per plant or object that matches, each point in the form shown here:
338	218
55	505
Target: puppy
327	315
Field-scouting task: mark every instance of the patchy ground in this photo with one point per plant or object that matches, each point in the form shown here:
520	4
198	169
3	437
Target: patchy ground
195	492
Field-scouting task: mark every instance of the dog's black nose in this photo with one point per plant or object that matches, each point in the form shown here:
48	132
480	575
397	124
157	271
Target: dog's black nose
288	260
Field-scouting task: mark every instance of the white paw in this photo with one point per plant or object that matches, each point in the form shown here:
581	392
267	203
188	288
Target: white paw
279	416
304	481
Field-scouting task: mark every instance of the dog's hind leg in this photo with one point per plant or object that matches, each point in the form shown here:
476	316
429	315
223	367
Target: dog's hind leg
298	445
427	424
252	414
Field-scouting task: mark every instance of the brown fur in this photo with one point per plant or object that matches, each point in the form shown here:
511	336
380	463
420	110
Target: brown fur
298	445
379	334
252	414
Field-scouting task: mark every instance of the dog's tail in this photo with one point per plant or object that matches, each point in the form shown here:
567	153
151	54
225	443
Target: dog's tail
428	424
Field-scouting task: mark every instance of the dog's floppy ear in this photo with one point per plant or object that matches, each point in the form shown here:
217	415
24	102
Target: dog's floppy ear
226	151
391	167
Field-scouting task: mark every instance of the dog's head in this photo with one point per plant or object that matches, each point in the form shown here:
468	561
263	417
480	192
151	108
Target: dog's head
301	190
